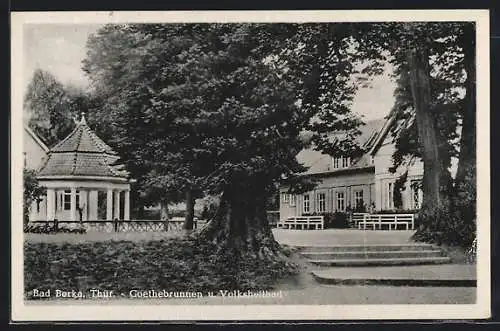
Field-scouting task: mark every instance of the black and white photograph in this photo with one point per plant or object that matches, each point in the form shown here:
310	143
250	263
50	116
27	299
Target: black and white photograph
250	165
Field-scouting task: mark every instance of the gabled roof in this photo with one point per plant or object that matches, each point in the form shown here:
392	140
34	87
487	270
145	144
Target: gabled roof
322	163
36	138
82	153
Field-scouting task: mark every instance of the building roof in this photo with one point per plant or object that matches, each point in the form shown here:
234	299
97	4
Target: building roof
82	153
36	138
322	163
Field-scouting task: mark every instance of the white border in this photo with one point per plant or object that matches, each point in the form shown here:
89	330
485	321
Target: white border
23	312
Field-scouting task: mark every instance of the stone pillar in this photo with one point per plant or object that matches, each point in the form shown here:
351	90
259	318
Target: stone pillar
51	204
126	211
92	204
116	214
72	216
109	205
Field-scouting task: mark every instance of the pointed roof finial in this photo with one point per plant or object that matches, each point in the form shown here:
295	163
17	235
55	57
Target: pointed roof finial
83	121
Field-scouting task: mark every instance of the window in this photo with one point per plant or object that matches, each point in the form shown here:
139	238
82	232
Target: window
321	202
306	204
358	199
336	162
284	197
292	200
341	162
340	201
390	195
346	162
66	203
415	194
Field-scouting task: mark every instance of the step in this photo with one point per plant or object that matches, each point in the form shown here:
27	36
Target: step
371	248
371	254
455	275
381	262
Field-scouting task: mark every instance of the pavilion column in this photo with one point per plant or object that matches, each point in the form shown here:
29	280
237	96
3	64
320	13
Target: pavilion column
117	205
92	206
51	204
72	215
33	212
109	205
84	197
126	210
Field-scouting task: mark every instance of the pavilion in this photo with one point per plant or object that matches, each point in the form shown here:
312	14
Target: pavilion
76	170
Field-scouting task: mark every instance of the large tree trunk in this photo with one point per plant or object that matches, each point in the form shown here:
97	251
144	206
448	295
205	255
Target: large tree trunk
465	181
241	225
436	182
190	201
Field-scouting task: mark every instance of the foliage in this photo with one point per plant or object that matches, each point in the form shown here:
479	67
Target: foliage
396	211
448	49
51	229
443	227
176	265
209	211
226	93
32	191
52	107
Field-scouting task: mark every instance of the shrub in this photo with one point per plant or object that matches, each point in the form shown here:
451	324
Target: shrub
176	265
51	229
444	227
397	211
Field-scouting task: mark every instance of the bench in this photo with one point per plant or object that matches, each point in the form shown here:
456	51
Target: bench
356	218
302	223
388	221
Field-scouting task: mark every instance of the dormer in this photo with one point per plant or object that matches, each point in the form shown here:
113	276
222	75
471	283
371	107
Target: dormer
341	162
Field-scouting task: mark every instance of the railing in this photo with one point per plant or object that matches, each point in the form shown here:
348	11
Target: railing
173	224
388	221
302	223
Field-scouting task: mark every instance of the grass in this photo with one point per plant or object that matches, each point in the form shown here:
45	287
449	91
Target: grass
175	264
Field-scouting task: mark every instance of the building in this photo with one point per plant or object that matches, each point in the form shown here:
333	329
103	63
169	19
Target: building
362	184
81	174
34	150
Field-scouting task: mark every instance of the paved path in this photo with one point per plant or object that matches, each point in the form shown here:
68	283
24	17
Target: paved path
332	237
445	271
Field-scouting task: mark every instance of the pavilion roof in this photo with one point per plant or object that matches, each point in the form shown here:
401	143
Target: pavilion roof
82	153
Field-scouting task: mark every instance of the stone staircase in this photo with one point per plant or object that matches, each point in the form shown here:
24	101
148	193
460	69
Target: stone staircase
373	255
386	265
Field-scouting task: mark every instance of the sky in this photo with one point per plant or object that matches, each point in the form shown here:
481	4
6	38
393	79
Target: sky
60	49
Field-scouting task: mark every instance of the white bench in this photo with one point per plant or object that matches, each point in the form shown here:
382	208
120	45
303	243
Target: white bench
302	223
356	218
389	221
